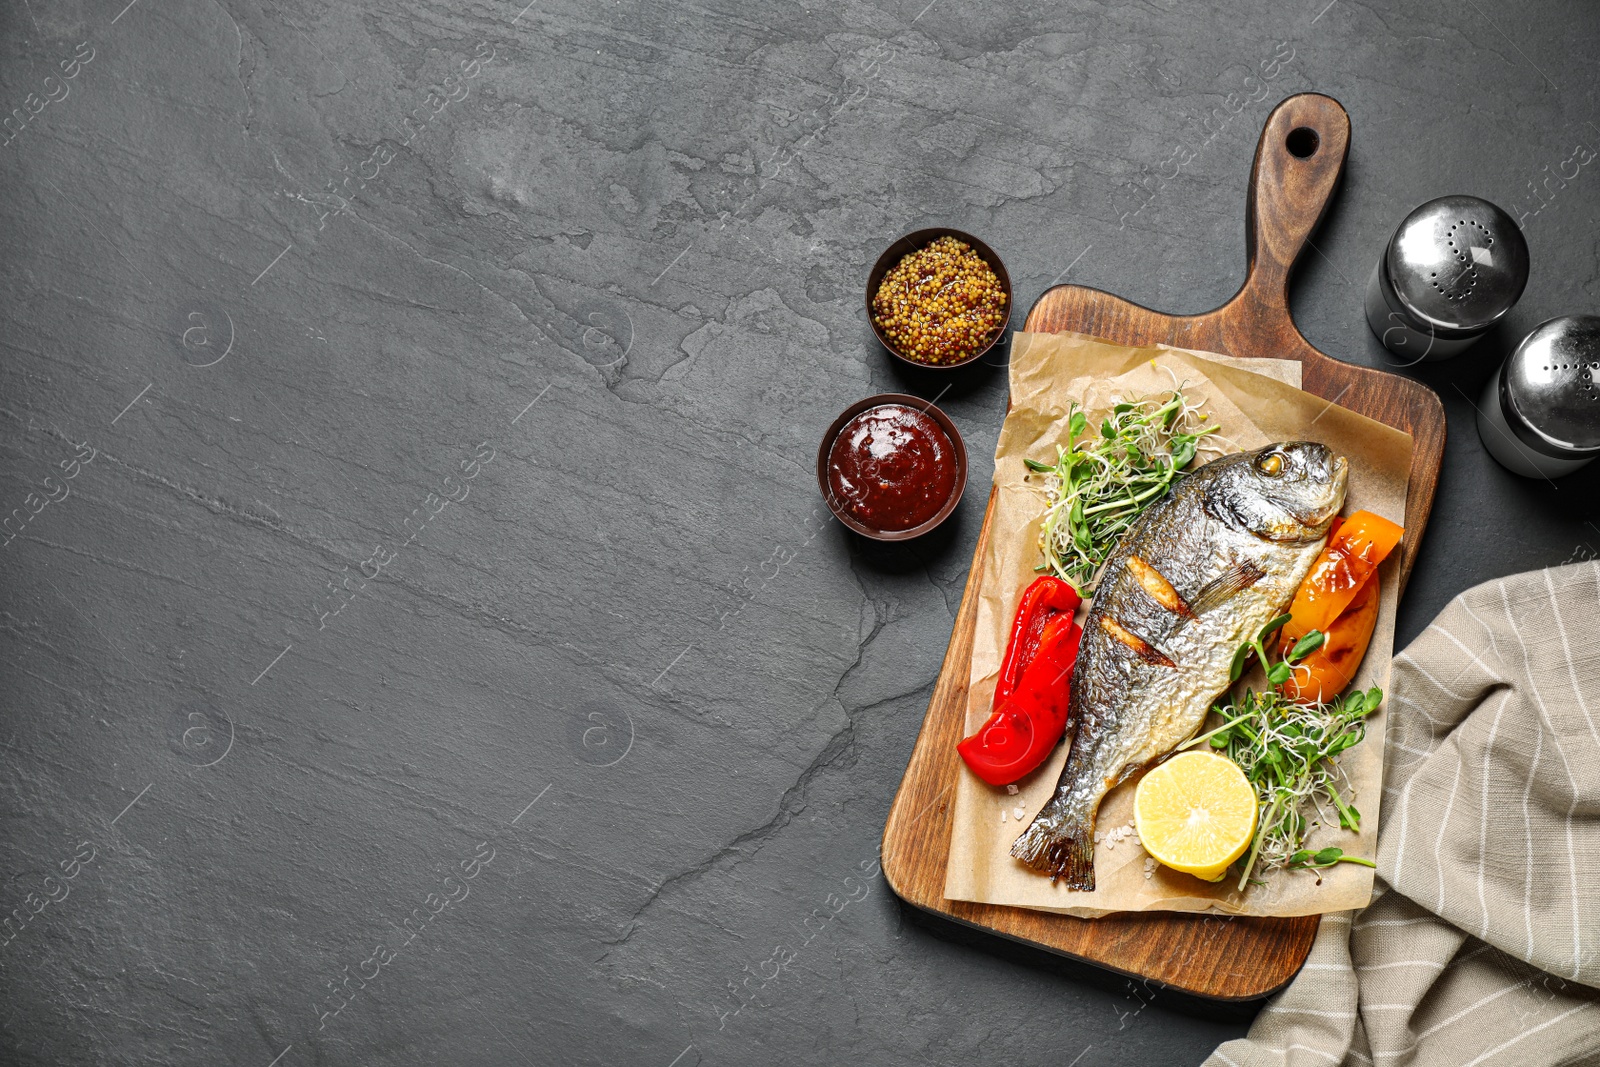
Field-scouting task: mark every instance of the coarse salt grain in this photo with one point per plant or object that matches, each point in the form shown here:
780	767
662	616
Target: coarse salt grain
1019	812
1002	815
1011	789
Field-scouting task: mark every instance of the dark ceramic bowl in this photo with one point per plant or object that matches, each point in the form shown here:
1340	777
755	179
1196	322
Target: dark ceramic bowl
918	239
932	412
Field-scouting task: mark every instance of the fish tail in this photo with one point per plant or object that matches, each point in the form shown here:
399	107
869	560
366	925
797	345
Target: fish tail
1063	850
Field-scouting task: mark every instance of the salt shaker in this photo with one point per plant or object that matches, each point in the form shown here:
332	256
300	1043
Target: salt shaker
1453	269
1540	413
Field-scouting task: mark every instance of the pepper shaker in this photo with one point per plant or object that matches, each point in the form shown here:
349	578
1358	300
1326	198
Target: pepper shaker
1540	413
1453	268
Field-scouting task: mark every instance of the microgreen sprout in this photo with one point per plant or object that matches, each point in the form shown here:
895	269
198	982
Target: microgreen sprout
1305	860
1100	483
1287	750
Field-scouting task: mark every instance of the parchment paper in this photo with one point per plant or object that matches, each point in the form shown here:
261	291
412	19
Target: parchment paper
1048	371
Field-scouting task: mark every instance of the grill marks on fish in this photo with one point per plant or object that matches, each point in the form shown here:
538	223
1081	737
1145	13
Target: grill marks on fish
1144	649
1164	595
1157	651
1161	591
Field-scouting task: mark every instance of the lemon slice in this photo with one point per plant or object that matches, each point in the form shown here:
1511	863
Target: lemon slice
1196	813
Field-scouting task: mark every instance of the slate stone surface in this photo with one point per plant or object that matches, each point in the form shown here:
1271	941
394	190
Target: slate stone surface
441	658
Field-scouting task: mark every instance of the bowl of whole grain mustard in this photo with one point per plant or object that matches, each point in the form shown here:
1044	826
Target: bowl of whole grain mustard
939	298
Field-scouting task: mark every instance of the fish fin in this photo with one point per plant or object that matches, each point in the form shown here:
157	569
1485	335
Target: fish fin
1141	647
1236	577
1066	853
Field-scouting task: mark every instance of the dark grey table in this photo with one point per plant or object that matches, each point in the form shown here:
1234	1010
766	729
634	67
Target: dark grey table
421	644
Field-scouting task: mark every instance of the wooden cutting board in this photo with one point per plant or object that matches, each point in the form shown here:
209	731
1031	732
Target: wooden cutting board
1298	164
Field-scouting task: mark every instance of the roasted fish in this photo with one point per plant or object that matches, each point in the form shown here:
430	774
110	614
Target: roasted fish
1194	578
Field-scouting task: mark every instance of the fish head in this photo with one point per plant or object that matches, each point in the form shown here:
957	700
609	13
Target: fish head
1289	491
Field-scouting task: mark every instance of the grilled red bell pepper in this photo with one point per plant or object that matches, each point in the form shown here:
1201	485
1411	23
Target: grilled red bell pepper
1042	601
1025	727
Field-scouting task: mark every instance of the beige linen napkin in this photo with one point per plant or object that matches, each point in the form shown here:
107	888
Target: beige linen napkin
1484	945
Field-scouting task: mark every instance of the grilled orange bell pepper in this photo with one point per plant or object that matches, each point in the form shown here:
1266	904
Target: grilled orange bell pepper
1351	557
1328	671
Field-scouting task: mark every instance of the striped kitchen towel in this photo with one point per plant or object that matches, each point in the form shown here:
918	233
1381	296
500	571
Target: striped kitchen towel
1482	943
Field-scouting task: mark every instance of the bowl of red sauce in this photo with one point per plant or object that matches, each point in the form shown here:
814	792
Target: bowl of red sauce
892	467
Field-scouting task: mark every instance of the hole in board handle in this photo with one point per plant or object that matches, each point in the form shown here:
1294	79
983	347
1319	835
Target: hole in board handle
1302	142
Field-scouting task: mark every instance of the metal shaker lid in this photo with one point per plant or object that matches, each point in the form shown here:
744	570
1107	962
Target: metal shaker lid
1550	387
1457	264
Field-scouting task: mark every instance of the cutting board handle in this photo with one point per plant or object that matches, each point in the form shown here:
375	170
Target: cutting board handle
1298	164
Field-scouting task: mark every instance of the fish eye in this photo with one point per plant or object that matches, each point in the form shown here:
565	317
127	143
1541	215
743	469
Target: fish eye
1270	464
